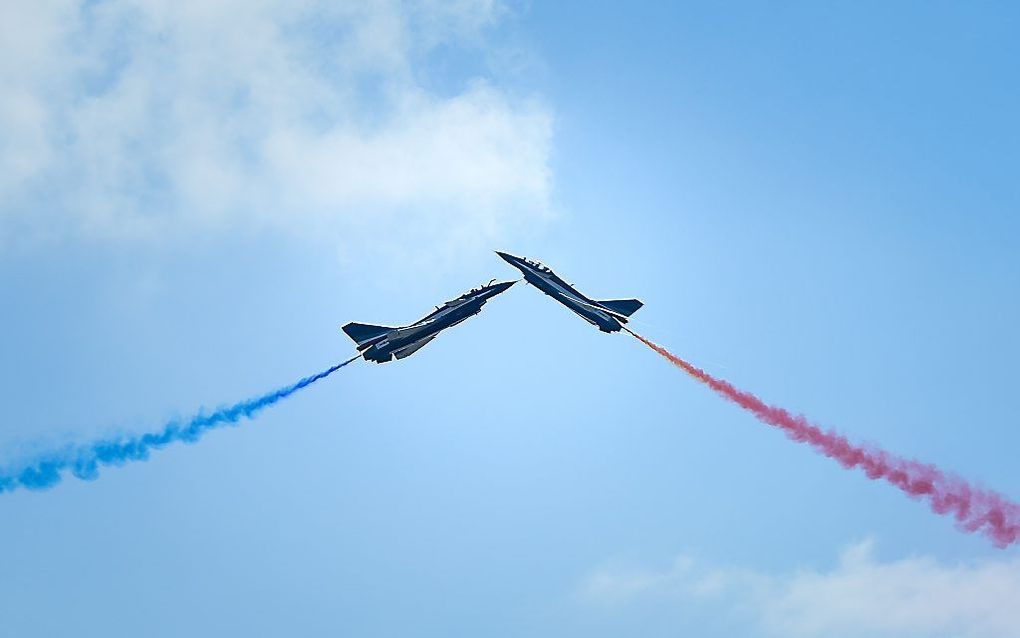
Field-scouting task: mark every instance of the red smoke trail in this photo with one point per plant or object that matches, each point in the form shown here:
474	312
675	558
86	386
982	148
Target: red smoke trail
974	509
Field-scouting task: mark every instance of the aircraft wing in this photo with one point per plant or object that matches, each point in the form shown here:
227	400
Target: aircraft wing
408	350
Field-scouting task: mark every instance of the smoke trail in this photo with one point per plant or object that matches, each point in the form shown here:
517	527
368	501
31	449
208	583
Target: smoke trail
973	508
84	462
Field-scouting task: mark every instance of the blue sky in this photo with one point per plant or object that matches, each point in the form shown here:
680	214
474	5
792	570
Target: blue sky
817	203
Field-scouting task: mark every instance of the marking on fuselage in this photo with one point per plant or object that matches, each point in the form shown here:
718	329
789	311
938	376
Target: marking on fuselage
574	299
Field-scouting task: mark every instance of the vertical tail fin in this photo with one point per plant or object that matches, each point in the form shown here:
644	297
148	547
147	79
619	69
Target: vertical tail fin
365	334
625	307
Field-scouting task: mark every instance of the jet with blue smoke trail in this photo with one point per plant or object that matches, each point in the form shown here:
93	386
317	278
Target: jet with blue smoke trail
381	344
607	316
374	342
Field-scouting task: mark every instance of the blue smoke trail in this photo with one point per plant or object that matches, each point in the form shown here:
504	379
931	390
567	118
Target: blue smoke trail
84	462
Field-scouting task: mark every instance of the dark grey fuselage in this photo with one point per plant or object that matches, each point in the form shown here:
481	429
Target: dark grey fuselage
594	312
381	344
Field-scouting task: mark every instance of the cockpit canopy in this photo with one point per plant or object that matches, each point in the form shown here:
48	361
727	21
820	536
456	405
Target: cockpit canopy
536	264
473	291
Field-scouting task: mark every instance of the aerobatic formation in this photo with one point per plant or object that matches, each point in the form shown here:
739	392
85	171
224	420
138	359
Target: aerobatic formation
975	509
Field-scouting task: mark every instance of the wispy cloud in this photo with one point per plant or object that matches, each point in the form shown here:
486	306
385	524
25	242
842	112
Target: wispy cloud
151	118
860	597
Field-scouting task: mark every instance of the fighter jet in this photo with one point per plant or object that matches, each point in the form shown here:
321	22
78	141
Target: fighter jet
381	344
608	316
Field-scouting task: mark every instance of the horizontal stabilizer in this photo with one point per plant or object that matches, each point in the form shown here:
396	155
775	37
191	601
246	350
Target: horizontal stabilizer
625	307
363	334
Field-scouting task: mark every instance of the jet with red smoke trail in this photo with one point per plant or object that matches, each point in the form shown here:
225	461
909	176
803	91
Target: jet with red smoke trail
607	316
381	344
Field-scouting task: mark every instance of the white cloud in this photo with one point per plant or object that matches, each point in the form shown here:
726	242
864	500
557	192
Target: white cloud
149	118
860	597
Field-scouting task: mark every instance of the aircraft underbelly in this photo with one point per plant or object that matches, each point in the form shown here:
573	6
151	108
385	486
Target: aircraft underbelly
410	349
585	313
579	307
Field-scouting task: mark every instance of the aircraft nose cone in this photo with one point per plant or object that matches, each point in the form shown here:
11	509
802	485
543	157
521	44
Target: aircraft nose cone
500	287
510	259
